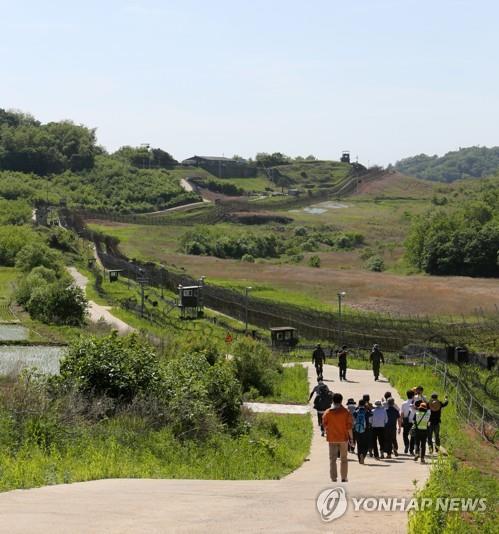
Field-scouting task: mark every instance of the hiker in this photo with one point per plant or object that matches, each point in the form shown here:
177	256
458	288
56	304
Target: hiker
368	406
322	402
378	423
338	424
342	362
435	406
421	419
393	416
351	407
376	358
319	359
418	395
406	415
317	388
361	430
386	397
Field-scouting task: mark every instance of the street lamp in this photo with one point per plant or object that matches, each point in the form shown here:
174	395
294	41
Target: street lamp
246	293
341	294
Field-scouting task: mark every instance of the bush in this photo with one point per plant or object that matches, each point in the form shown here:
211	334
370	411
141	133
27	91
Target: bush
376	264
36	254
248	258
314	261
57	303
12	240
118	367
301	231
255	366
37	278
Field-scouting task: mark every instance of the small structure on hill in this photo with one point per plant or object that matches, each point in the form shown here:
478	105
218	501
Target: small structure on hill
190	301
283	337
114	274
345	156
222	167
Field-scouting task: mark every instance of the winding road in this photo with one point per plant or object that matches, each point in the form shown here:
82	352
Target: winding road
204	506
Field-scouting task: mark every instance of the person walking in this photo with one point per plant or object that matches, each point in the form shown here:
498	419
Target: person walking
378	423
322	402
351	407
393	415
319	359
369	407
421	419
376	358
361	418
342	362
406	415
435	406
338	424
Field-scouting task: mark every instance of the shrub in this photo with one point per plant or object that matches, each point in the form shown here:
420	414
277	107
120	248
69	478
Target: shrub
255	366
38	277
248	258
12	240
118	367
301	231
376	264
314	261
58	303
35	254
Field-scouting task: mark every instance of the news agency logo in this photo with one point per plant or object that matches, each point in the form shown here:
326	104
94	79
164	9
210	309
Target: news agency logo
332	503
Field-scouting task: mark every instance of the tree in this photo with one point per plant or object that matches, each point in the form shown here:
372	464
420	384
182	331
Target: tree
34	254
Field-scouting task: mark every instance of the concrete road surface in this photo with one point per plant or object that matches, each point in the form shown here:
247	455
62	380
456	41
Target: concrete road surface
97	311
205	506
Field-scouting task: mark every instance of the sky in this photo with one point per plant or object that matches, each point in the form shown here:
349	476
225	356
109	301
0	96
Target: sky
385	79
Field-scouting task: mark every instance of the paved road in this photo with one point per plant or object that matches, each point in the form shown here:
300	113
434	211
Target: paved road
97	311
191	506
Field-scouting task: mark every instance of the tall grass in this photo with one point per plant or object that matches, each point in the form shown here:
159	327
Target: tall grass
125	447
470	470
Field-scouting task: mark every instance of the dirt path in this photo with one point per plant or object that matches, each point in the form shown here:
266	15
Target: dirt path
97	311
187	506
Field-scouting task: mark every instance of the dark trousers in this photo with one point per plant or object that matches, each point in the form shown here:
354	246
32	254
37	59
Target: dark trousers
378	438
406	435
318	368
343	372
319	420
434	430
421	438
362	440
391	444
376	371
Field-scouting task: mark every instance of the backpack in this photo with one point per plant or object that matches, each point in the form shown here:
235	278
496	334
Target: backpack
323	400
360	422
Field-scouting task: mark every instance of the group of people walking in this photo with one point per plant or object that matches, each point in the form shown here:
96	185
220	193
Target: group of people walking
340	358
371	428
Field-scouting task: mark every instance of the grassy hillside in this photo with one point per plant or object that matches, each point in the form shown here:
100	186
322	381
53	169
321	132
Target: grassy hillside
471	162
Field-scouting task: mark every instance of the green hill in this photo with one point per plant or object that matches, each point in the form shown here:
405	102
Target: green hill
471	162
61	161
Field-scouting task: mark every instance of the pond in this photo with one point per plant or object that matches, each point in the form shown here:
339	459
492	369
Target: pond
15	358
323	207
13	332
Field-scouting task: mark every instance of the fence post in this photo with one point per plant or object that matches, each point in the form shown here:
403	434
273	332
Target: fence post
469	408
445	378
482	422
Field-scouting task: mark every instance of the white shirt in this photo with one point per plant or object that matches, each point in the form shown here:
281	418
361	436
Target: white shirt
407	409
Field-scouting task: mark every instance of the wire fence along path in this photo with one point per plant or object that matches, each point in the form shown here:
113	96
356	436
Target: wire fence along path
473	412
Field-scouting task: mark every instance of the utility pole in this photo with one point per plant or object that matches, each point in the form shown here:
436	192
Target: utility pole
246	292
341	294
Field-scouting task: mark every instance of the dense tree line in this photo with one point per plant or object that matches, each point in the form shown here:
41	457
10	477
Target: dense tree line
61	161
459	240
472	162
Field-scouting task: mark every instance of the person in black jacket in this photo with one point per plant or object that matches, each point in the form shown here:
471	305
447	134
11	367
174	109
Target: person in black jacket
319	359
376	358
323	401
342	362
435	418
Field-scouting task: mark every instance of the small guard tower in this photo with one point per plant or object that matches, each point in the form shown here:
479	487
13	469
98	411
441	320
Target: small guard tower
283	337
114	274
190	301
345	156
